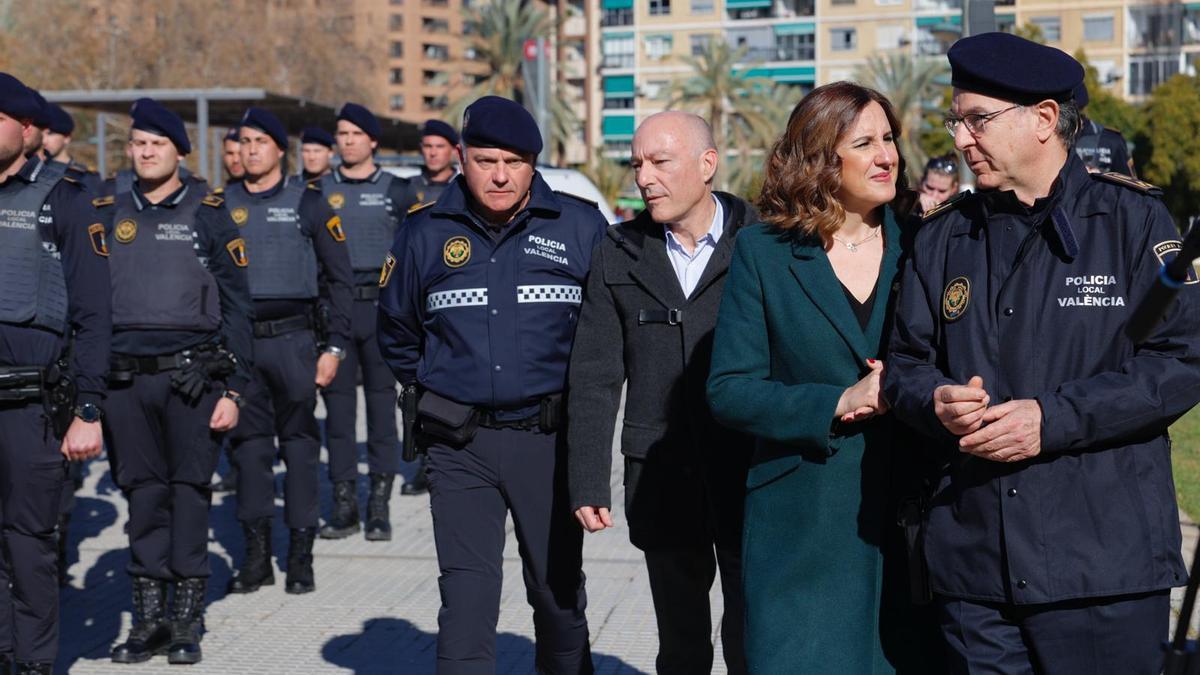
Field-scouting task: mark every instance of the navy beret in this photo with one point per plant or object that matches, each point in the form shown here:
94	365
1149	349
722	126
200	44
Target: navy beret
316	135
495	122
150	116
42	117
1081	96
233	135
440	128
16	99
1012	68
268	123
61	121
361	118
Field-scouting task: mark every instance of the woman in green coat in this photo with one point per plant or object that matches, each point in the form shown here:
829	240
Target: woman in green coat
797	363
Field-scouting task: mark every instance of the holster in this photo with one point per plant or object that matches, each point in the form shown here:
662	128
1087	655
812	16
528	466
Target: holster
551	413
58	397
911	518
321	323
409	395
441	419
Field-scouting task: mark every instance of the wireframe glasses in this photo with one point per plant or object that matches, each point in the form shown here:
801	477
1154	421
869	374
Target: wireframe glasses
976	122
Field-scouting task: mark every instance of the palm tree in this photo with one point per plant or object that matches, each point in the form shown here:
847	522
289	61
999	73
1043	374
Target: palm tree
501	29
914	88
745	112
610	177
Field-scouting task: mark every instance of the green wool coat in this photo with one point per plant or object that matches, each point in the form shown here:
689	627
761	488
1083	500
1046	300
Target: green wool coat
820	500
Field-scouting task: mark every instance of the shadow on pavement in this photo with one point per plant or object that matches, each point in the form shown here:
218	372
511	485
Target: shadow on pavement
388	645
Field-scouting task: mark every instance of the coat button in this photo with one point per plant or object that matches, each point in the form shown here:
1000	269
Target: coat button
1022	583
495	312
1008	311
1012	492
498	369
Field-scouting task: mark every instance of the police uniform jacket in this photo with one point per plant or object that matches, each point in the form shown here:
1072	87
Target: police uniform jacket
685	474
370	210
180	243
1103	149
486	317
66	290
1034	300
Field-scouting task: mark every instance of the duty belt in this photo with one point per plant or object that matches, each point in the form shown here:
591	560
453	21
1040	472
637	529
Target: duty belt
22	383
370	292
548	418
266	329
149	365
487	418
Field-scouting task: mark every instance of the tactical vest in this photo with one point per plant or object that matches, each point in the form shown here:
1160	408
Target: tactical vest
367	217
284	263
158	280
35	290
423	191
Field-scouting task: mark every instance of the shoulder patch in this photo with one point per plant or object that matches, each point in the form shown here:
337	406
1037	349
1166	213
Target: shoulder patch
213	200
99	243
237	251
334	225
314	185
1131	183
70	179
577	197
103	201
417	207
945	207
219	191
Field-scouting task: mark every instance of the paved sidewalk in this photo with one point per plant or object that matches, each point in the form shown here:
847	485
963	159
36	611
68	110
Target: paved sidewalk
375	608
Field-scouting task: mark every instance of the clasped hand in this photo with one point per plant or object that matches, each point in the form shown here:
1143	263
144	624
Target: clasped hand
864	399
1008	432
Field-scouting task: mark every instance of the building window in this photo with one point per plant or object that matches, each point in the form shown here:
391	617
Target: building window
396	76
1147	72
799	47
618	52
431	77
1051	27
433	102
429	25
889	37
438	52
888	2
469	27
396	101
652	89
1006	23
618	103
702	6
1098	28
843	39
617	17
397	50
699	43
396	3
660	7
841	2
396	22
658	47
436	3
622	148
470	54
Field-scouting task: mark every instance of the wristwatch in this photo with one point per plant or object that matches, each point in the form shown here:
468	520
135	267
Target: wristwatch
237	398
336	351
89	412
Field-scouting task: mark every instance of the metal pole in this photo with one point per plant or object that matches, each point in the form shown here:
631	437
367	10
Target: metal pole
542	72
101	149
202	133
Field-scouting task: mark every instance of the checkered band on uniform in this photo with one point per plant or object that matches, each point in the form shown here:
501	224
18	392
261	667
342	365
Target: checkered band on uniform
466	297
540	293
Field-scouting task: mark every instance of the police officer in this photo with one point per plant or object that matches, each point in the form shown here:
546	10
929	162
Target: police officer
366	198
292	235
55	308
480	297
1052	536
231	156
181	353
1101	148
438	143
121	181
56	147
316	153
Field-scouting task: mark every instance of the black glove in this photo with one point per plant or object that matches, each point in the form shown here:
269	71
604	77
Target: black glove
191	380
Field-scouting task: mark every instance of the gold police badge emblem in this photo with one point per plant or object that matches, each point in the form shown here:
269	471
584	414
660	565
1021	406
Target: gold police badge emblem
456	252
956	298
337	200
385	273
240	215
125	231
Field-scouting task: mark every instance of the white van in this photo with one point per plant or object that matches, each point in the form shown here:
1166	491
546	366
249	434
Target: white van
569	181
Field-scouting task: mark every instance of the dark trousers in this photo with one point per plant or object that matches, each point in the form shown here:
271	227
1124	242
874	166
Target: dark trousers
472	491
280	401
1120	635
341	404
163	455
32	475
680	580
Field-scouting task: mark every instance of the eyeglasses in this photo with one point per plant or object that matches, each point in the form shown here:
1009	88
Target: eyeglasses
976	122
942	165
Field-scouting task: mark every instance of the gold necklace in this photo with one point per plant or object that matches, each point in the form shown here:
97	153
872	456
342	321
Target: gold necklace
853	245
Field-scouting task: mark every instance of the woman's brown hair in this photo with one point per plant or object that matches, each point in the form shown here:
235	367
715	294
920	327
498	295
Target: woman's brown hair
803	172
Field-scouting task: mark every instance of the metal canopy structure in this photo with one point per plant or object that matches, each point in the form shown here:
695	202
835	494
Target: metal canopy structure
212	111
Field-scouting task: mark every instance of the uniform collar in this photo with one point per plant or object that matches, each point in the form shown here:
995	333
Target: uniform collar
338	177
172	200
265	194
30	170
425	177
1059	210
542	200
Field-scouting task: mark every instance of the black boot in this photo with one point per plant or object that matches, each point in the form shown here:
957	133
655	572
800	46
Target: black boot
343	522
64	524
187	620
26	668
419	485
379	522
150	633
300	560
256	570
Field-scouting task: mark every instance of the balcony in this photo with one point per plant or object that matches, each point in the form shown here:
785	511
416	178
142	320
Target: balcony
739	10
616	17
945	6
780	53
